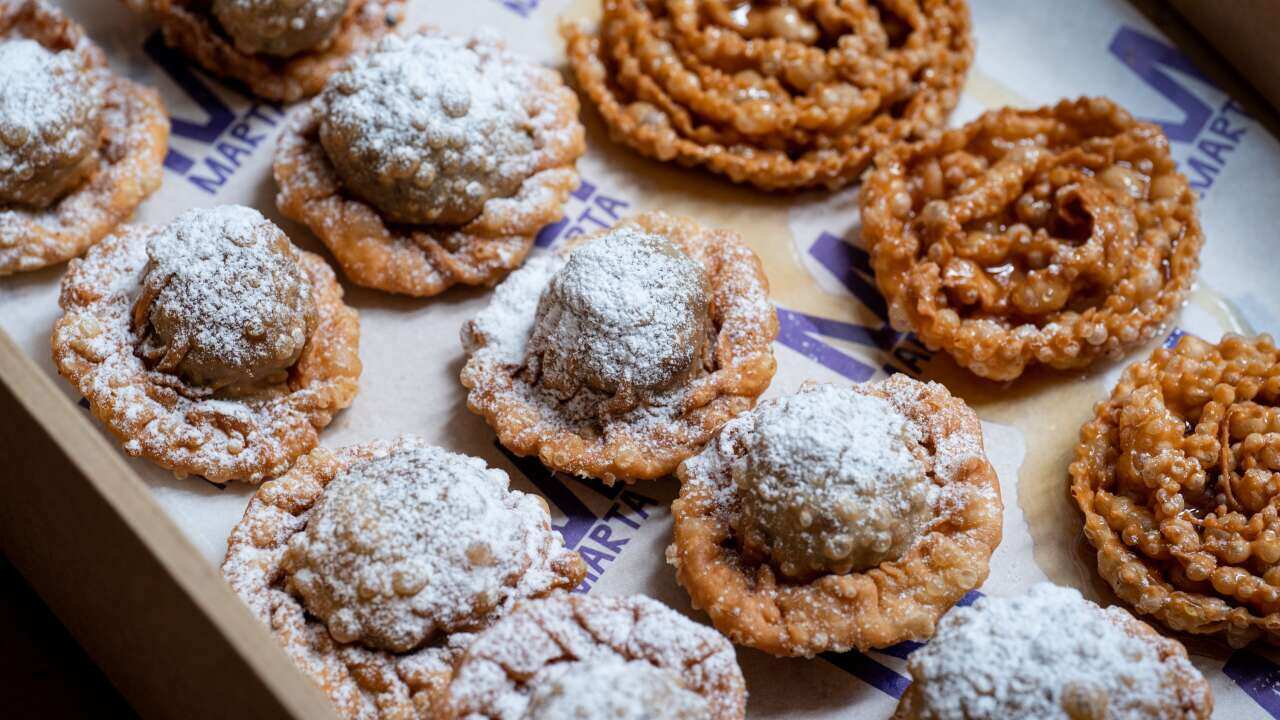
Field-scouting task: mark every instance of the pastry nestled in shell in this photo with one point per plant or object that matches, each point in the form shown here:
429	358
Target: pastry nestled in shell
1055	236
211	345
583	656
620	354
79	147
837	518
374	565
1177	478
1051	655
781	95
432	161
281	50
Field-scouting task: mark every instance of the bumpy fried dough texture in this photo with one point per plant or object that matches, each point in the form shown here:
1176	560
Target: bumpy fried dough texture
1176	478
786	97
156	416
192	29
362	683
128	166
902	599
635	445
425	260
1059	236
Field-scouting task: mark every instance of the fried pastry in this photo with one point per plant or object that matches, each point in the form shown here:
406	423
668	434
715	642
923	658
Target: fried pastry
211	346
374	565
1051	655
281	50
597	658
837	518
784	96
619	355
1054	236
80	147
1176	477
431	162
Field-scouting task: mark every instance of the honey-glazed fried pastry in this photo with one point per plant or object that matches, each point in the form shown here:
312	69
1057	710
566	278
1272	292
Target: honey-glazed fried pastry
619	355
1177	478
211	346
1051	655
281	50
784	96
374	565
431	162
597	658
1053	236
838	517
80	148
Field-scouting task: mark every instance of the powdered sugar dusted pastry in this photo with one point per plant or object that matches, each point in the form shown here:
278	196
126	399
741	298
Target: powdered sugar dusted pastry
838	517
432	161
79	147
1051	655
211	345
374	564
281	50
595	658
619	355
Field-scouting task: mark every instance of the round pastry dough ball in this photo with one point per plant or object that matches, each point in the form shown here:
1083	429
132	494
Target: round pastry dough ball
627	313
225	301
428	128
1052	655
279	27
612	689
829	481
50	122
417	542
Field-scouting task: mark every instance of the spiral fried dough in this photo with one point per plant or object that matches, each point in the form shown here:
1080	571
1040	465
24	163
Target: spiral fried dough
1058	235
783	96
1177	479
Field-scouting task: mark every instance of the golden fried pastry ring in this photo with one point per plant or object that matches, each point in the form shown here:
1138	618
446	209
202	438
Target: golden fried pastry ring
194	31
426	260
131	156
770	110
361	682
245	438
529	423
1058	235
1176	478
897	600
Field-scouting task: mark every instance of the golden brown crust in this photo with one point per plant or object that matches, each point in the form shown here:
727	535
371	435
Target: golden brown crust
426	260
895	601
631	447
362	683
245	439
1058	235
1177	494
668	79
129	165
194	31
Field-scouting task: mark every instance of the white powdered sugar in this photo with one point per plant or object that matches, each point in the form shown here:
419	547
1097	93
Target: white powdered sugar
507	322
225	299
428	128
1049	654
50	120
826	480
612	689
418	542
279	27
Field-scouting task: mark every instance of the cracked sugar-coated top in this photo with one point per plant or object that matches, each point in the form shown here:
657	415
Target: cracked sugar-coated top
419	542
627	312
224	300
429	127
50	122
827	480
613	689
279	27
